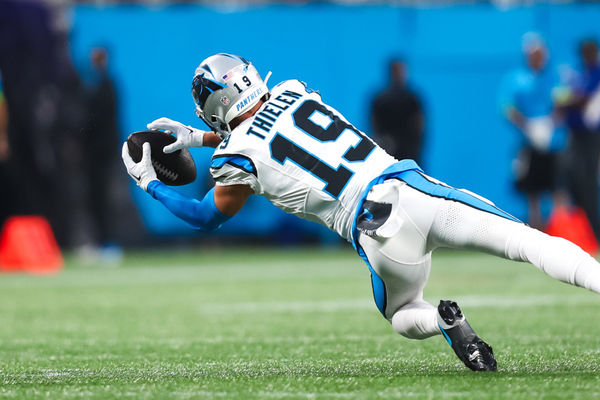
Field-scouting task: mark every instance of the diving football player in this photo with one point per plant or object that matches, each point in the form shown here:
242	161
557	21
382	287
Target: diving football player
286	144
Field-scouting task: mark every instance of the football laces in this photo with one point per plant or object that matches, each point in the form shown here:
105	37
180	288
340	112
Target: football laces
172	175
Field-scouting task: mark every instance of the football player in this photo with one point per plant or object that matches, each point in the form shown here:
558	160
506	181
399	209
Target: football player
307	159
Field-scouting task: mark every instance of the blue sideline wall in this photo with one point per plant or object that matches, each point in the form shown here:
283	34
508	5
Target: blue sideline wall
457	56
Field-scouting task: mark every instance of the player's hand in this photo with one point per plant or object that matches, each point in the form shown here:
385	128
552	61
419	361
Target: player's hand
186	135
143	172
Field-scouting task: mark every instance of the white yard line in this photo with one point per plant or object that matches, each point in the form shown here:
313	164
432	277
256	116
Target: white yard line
353	304
190	274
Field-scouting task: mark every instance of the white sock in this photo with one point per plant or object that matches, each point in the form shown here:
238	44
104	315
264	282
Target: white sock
416	320
556	256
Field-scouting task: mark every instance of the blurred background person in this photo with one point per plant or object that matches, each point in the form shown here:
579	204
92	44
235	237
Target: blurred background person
101	146
44	95
526	101
4	148
583	118
6	182
397	116
24	40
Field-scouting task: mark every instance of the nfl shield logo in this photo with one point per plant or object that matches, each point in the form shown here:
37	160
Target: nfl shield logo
224	100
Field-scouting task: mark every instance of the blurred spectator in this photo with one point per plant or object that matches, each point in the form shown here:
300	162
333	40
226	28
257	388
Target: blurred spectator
24	43
4	149
397	116
42	92
101	147
6	183
526	101
582	103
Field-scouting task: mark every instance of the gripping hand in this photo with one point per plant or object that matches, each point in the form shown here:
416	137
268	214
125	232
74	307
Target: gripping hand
143	172
186	135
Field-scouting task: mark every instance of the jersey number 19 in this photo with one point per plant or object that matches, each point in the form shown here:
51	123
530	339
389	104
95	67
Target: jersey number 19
336	179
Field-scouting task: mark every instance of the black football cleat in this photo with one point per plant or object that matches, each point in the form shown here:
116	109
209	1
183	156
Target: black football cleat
472	351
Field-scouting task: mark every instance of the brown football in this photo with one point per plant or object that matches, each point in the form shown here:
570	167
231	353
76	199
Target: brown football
174	169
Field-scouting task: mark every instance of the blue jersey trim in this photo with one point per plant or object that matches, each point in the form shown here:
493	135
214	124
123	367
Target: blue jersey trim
242	162
392	170
419	181
409	172
377	284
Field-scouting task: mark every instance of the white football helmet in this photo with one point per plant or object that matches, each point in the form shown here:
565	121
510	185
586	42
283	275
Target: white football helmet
226	86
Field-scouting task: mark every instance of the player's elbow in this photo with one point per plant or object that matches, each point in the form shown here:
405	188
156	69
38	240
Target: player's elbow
205	227
206	220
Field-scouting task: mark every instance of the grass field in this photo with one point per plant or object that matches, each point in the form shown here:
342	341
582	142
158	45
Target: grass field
287	324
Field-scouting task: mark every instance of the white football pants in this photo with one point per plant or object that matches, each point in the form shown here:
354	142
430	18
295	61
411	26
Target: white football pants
420	223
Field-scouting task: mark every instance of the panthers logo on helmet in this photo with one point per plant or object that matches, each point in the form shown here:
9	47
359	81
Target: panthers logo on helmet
202	87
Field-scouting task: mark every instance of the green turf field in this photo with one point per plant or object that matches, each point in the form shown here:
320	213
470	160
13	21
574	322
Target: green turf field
287	324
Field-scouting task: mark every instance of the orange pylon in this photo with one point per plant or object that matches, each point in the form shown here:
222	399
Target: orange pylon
573	225
27	244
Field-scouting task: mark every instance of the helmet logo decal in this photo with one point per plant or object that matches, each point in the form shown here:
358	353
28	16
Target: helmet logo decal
240	105
224	100
202	87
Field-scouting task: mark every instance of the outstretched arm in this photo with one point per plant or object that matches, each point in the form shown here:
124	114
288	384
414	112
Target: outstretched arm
217	206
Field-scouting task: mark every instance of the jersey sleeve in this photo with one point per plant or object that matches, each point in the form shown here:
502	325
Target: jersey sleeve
203	215
235	169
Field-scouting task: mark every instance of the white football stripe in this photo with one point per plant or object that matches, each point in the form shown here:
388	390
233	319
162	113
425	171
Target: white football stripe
354	304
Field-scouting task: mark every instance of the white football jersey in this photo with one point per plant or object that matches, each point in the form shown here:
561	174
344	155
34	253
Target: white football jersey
303	156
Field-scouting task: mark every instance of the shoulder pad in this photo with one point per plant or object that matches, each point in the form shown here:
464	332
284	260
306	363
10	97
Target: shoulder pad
293	85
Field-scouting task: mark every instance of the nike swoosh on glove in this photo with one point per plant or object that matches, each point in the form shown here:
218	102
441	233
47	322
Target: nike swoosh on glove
143	172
